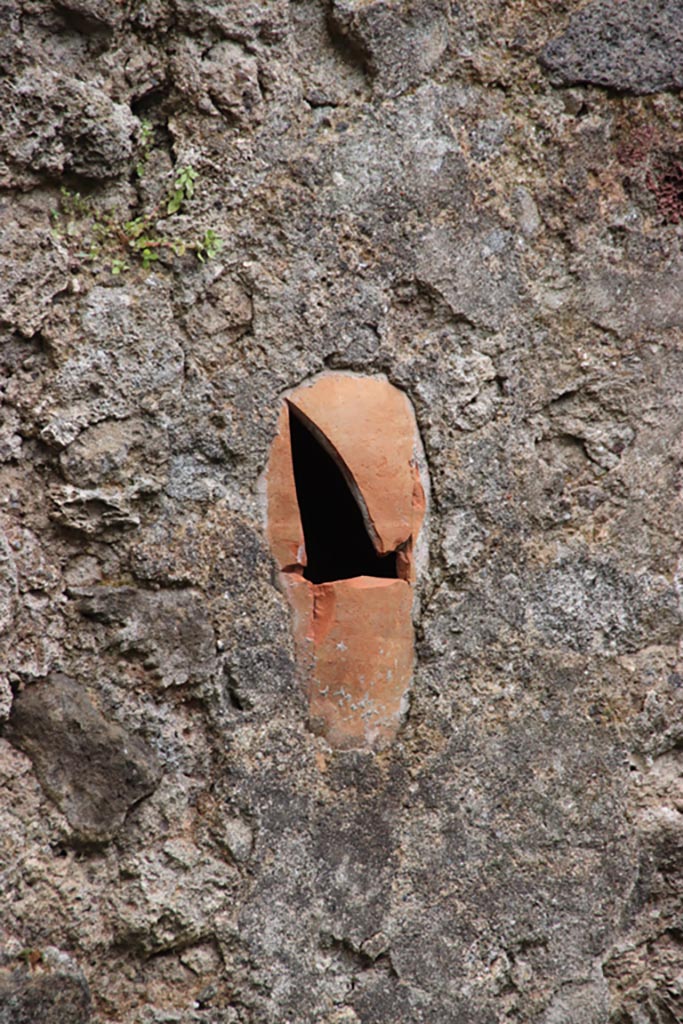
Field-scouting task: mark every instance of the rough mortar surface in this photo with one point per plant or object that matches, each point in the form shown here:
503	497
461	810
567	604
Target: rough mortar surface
482	201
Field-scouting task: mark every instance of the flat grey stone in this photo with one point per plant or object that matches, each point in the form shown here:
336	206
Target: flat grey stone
93	769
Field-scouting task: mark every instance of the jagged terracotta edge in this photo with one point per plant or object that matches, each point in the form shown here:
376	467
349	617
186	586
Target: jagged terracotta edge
291	572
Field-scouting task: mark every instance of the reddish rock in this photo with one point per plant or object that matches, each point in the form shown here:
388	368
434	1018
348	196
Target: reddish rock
354	637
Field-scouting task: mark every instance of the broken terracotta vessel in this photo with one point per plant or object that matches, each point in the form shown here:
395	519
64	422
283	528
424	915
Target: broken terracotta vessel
345	506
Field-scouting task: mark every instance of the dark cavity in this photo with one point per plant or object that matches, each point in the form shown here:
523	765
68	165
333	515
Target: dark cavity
338	545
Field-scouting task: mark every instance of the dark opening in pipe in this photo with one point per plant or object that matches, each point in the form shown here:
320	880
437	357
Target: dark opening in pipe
338	546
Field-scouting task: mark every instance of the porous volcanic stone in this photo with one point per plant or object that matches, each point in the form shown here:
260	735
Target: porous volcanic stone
630	45
403	194
51	989
92	768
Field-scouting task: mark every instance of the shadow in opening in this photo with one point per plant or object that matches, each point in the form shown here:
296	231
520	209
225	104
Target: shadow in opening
338	546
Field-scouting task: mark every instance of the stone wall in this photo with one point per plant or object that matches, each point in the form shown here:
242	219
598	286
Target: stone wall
204	204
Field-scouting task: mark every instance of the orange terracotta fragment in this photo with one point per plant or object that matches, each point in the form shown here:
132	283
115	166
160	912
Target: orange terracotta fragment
285	532
370	426
354	637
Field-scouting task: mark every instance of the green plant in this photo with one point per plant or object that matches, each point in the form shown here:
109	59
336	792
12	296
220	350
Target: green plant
72	208
74	203
135	228
94	234
147	142
183	189
208	246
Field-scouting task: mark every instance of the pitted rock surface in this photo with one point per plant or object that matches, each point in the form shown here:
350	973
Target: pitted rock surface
634	45
48	988
93	769
400	190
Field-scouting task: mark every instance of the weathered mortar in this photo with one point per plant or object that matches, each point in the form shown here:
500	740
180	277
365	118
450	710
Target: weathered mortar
480	202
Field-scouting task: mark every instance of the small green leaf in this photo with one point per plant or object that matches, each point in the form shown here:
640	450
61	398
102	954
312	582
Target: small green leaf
146	131
149	256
